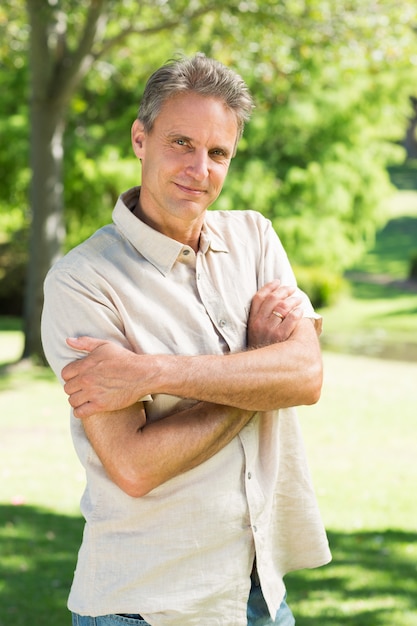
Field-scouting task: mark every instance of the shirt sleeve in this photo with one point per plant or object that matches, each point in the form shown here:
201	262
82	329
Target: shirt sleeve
74	307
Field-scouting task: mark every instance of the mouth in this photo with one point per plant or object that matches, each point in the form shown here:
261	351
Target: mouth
194	191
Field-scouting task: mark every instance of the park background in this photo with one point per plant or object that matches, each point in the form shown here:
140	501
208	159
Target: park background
329	156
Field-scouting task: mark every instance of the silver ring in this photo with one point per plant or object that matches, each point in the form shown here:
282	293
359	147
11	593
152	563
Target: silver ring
278	314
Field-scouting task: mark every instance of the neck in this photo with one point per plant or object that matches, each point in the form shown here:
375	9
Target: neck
189	236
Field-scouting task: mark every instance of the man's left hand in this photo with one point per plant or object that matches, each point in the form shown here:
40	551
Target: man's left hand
274	314
100	381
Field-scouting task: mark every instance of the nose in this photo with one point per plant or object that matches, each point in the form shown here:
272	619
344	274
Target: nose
198	165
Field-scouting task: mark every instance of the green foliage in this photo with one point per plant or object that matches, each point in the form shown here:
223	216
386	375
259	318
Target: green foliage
95	185
331	86
323	286
331	83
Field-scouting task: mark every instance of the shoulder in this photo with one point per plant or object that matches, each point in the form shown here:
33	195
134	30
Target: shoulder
239	224
246	217
88	253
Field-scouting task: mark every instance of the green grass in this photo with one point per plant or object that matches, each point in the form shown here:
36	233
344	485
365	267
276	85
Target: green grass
41	483
361	445
378	314
38	551
373	319
396	240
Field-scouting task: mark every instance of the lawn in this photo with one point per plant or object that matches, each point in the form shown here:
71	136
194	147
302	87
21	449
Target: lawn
377	315
360	440
361	445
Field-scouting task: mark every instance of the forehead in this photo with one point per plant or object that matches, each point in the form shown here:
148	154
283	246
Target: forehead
197	116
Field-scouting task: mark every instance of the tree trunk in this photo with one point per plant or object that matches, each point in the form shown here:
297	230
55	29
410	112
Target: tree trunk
55	73
47	232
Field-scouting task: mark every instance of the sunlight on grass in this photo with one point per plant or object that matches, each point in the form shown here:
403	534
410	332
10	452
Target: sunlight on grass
403	203
361	443
360	440
395	242
371	582
375	320
11	346
38	551
39	466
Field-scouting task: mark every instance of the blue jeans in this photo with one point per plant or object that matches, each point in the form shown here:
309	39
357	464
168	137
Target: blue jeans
258	615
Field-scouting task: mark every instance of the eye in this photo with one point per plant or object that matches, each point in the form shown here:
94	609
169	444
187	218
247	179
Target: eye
180	141
218	153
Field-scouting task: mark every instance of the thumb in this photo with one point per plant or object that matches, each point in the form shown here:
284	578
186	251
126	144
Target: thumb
86	344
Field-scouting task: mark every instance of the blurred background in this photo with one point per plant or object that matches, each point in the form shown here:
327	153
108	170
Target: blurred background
330	157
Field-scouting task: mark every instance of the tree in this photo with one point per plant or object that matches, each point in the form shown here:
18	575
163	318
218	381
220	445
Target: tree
66	39
331	82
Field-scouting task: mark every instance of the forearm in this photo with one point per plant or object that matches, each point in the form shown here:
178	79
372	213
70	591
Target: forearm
139	457
282	369
276	376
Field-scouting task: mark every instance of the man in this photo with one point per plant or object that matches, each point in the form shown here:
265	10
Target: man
195	346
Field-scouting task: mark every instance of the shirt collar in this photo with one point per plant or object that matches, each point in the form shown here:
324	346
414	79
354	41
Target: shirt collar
158	249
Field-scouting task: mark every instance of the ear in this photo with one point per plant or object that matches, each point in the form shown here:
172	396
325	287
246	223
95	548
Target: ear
138	138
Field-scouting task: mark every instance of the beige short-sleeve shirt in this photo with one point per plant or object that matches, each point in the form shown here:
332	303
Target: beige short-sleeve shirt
182	555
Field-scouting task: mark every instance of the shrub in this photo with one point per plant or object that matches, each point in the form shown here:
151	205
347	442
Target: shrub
322	286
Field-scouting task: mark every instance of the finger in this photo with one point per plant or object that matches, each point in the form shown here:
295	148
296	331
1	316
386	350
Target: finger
71	370
83	405
296	313
85	410
261	294
81	344
292	318
270	294
276	289
85	344
284	307
77	399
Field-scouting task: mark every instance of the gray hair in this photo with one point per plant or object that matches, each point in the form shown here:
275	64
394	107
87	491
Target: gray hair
201	75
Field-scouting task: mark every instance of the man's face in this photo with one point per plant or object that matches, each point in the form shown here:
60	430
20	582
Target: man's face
185	159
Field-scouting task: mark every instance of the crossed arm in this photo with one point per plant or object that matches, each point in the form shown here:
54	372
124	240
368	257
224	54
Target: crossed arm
282	368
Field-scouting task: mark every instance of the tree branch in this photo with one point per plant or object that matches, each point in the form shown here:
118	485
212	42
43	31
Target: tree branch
74	65
40	58
151	30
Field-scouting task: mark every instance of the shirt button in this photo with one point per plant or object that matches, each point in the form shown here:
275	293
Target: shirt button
186	252
249	475
255	529
222	323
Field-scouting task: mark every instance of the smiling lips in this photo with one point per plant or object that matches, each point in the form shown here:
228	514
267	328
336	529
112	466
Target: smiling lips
192	190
